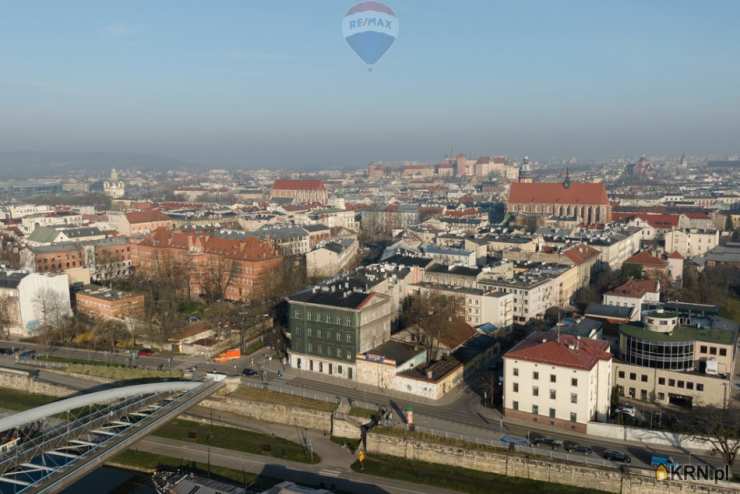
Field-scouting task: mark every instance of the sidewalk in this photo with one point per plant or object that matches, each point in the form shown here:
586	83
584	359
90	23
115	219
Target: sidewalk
509	422
332	454
452	397
339	480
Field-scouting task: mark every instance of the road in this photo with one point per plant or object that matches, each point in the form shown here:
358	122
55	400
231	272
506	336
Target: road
155	361
47	376
468	419
333	478
461	411
463	417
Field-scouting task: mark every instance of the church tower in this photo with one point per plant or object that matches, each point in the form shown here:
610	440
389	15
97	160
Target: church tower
525	171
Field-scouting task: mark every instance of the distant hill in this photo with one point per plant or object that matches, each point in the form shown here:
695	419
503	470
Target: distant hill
27	164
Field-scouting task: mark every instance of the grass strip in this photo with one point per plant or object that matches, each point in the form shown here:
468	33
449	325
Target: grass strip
459	479
265	395
148	462
236	439
17	401
363	413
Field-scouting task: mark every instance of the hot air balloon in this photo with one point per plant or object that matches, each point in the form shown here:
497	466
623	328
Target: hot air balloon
370	28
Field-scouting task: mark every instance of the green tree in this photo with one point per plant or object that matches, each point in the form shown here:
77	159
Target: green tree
632	271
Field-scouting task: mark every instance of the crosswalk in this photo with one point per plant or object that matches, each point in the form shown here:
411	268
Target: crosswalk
329	472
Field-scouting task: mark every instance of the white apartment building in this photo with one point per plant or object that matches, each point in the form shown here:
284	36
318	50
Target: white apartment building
23	210
534	290
691	242
336	218
615	245
449	255
633	294
480	305
556	380
290	240
617	248
34	299
31	222
647	231
331	258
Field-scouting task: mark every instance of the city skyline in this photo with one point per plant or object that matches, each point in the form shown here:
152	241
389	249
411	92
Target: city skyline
232	86
369	246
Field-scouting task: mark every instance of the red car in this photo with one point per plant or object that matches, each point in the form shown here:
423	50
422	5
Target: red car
145	352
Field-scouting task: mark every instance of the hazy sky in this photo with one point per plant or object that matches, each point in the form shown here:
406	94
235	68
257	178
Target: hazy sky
273	83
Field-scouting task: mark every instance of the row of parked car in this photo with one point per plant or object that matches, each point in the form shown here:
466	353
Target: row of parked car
19	353
536	439
568	446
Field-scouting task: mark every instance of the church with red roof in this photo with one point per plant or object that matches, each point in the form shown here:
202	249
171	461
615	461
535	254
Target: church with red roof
300	191
587	202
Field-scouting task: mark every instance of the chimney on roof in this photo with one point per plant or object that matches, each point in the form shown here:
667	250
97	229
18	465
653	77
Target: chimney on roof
429	374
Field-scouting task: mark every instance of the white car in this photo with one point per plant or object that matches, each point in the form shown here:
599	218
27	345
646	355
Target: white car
626	410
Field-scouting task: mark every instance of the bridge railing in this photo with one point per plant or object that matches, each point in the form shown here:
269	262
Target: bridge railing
58	435
69	472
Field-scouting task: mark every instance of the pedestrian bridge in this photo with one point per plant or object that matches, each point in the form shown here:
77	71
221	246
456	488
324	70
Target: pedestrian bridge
61	454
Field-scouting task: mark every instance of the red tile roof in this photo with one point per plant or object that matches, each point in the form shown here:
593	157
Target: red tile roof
564	351
581	253
659	221
285	184
456	334
636	288
644	258
675	255
459	213
247	249
697	215
556	193
146	216
467	199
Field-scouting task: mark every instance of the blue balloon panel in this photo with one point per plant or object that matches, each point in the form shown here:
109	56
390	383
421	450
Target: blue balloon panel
370	45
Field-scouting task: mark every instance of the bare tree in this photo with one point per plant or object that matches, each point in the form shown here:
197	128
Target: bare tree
434	315
287	279
718	427
52	310
10	252
7	316
216	277
109	333
166	283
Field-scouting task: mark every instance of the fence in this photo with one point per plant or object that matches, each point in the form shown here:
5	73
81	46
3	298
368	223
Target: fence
552	454
648	436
